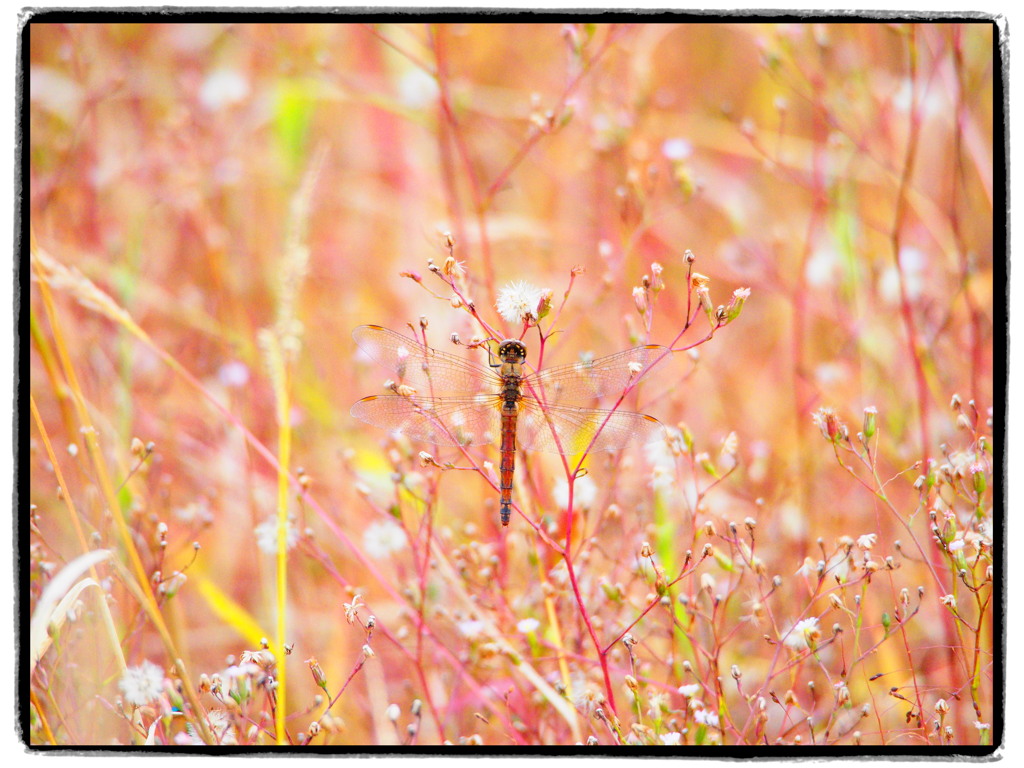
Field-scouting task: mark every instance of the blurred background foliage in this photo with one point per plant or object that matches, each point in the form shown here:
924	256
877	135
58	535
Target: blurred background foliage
201	174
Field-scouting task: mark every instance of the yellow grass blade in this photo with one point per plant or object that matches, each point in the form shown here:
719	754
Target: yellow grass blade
231	612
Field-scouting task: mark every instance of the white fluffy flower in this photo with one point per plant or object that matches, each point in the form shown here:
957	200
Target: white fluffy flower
671	739
867	541
233	374
802	630
517	301
526	626
266	535
417	89
663	462
583	497
706	717
471	628
382	538
142	684
222	88
689	691
676	149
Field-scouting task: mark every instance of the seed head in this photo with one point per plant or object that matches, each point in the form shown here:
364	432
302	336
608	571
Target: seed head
640	299
318	674
739	298
657	284
870	426
519	302
453	268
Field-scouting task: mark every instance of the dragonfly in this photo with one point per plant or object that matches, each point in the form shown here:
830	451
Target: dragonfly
448	400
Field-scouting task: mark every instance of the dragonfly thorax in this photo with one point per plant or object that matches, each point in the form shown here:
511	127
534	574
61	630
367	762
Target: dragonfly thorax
511	354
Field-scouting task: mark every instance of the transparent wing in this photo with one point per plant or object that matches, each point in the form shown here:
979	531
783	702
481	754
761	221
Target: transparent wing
428	371
568	430
603	377
454	421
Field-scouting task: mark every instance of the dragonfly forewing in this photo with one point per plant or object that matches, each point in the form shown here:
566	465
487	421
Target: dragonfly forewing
429	371
450	421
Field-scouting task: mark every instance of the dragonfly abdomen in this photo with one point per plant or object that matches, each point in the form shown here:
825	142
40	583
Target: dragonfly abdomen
510	397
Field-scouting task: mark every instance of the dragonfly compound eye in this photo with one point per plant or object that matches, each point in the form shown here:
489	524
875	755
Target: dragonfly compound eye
512	349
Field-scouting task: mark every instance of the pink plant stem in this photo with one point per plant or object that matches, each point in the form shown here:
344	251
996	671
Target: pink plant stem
480	205
602	657
614	33
906	309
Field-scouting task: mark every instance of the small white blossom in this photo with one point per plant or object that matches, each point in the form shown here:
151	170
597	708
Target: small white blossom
222	88
417	89
233	374
657	701
913	265
518	301
867	541
706	717
587	699
671	739
245	669
393	712
583	497
802	630
471	628
266	535
808	568
663	462
142	684
676	149
382	538
823	267
689	691
526	626
220	723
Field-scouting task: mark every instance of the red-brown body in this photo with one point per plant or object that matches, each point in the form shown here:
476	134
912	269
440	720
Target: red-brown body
511	353
508	459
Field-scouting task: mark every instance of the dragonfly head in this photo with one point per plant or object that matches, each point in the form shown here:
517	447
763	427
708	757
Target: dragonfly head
512	351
